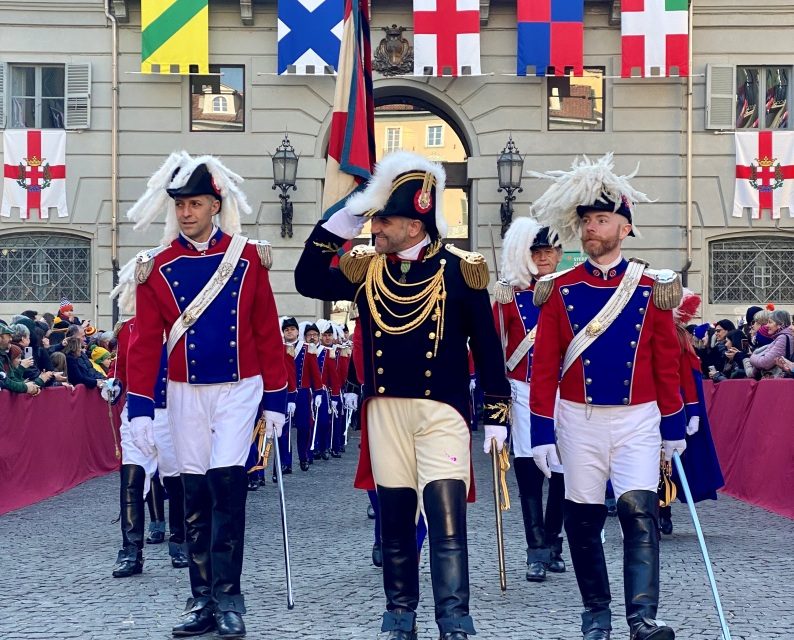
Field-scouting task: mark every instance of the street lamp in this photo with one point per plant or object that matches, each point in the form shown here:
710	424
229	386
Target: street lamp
285	171
509	167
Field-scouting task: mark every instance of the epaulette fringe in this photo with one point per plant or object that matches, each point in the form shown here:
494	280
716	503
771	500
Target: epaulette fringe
473	267
355	263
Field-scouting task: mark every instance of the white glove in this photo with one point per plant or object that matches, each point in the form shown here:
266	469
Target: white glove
335	407
345	224
274	422
669	446
494	432
693	426
142	431
545	457
351	401
318	400
472	385
111	391
290	409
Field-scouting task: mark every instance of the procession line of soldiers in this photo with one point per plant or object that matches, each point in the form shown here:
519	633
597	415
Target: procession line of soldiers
597	345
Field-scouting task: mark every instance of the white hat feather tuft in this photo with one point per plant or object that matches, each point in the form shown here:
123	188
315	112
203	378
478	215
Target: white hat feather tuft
517	265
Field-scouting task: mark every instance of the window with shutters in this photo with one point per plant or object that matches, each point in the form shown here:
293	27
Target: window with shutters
754	269
217	101
45	267
748	97
45	96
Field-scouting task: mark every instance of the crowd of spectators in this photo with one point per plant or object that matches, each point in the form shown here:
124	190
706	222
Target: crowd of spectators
50	350
761	346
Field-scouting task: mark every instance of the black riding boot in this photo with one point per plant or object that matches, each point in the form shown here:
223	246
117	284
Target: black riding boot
583	525
530	488
155	500
400	561
198	616
638	513
176	522
130	558
229	489
553	521
666	520
445	508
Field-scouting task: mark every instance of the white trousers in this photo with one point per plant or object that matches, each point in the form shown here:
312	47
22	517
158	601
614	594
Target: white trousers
164	458
599	443
520	429
211	425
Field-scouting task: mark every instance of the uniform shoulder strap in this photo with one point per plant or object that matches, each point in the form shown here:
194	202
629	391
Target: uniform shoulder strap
144	263
544	286
667	288
264	251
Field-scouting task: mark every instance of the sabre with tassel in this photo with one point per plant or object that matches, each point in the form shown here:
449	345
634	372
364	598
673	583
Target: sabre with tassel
500	462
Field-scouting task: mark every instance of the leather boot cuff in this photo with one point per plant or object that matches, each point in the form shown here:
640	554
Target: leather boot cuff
398	621
458	623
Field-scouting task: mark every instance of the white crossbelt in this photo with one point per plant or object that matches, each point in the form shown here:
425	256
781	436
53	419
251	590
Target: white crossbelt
522	349
210	291
604	318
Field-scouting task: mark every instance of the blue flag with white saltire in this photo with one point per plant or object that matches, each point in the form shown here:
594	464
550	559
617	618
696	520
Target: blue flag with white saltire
309	36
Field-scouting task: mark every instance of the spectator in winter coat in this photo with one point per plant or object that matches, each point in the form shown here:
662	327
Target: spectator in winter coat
764	359
79	367
735	355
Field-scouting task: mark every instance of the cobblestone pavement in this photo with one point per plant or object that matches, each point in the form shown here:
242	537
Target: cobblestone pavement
56	557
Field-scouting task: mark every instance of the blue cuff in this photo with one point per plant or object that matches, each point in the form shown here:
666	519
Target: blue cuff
673	427
292	396
139	406
692	410
541	430
276	400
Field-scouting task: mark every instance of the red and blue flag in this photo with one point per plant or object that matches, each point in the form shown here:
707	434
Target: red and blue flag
550	36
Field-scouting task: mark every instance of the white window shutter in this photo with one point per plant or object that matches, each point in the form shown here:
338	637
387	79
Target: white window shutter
3	76
720	96
78	96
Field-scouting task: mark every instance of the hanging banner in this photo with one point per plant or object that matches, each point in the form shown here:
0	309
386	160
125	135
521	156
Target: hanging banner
654	38
34	172
550	36
447	37
309	36
175	36
764	172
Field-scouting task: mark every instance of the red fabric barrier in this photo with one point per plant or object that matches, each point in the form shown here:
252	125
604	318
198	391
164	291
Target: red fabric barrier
53	442
752	424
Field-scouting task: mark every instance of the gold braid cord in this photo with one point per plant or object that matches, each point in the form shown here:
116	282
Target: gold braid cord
430	299
504	467
667	490
262	445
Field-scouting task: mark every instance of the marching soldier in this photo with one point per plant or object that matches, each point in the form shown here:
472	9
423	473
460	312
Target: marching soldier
419	301
340	419
209	291
289	331
528	253
309	382
326	360
606	341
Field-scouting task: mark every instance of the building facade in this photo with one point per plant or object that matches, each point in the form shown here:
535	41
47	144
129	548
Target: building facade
57	70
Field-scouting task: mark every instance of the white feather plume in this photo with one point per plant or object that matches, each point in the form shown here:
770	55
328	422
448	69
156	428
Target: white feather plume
376	194
517	265
125	289
156	202
587	182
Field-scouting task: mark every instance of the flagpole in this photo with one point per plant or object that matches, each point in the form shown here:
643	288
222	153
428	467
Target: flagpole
689	89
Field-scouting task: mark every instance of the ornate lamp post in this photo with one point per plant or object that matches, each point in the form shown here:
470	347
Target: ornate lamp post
285	171
509	167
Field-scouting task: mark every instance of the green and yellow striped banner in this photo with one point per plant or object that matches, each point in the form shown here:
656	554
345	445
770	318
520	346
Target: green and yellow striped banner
174	36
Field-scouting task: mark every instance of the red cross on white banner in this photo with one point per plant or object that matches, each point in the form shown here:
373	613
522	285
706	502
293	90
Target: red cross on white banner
447	37
34	172
764	172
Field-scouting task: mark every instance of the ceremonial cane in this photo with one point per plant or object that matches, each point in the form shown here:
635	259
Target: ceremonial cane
726	634
348	416
287	566
500	541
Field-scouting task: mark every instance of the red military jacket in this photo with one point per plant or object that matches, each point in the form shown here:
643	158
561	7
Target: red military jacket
289	366
236	337
328	370
307	370
634	361
519	317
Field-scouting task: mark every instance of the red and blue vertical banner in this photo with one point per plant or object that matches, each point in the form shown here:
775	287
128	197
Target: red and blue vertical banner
550	36
351	147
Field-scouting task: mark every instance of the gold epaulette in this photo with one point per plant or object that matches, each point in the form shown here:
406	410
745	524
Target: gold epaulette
117	327
264	251
144	263
354	263
667	288
545	285
503	292
473	267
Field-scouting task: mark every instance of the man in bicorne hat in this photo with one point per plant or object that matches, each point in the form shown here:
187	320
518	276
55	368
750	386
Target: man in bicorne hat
419	303
606	341
208	290
529	252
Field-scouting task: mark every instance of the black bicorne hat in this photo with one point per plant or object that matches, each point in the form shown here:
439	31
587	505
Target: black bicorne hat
289	322
604	203
200	183
543	240
310	327
413	196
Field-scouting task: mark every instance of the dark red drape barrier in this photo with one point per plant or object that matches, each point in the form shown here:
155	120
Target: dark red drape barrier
53	442
753	428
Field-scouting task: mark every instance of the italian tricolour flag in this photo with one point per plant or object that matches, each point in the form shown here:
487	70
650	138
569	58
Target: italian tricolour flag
654	37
